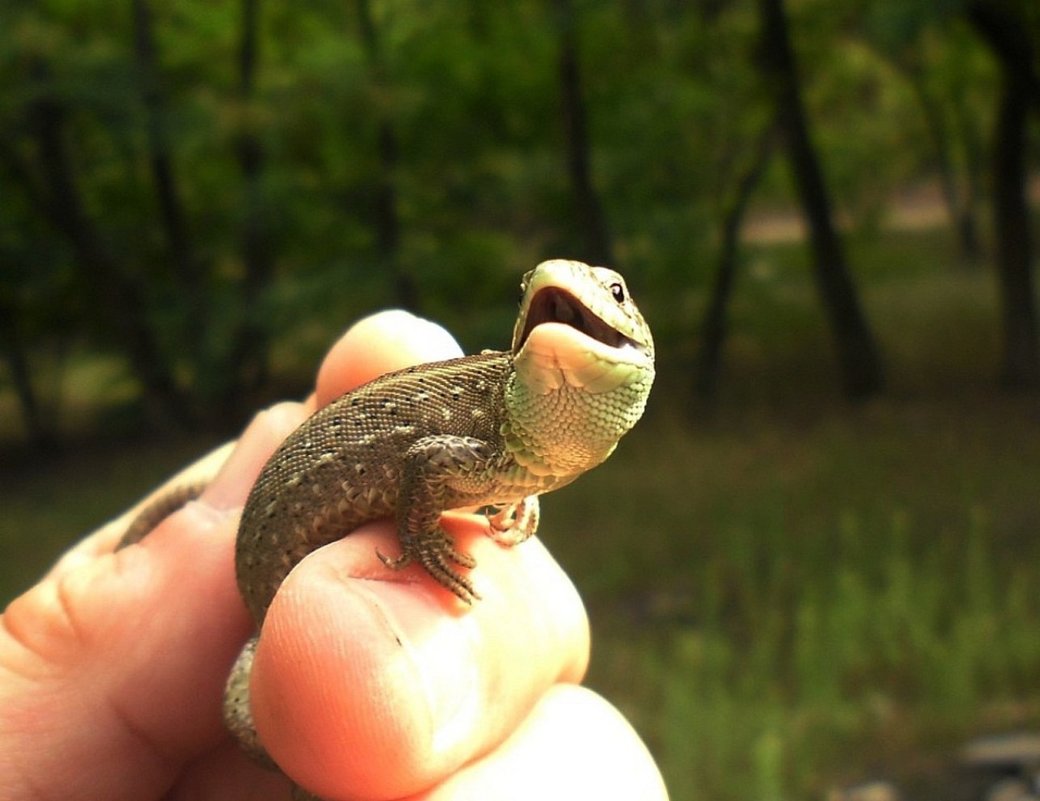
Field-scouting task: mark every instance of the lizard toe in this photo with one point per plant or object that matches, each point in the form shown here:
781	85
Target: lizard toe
394	562
437	563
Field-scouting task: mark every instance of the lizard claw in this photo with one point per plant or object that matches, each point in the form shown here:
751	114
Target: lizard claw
394	562
510	525
451	579
436	552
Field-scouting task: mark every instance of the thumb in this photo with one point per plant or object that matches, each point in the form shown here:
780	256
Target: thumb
119	659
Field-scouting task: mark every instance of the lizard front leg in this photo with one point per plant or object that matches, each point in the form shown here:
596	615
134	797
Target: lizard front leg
440	472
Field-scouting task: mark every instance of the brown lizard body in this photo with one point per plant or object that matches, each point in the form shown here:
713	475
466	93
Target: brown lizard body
496	428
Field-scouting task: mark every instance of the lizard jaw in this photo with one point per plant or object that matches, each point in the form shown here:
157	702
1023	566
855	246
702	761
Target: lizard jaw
556	305
578	327
592	303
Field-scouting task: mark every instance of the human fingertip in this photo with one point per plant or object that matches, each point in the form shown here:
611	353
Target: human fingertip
377	344
231	485
582	747
403	331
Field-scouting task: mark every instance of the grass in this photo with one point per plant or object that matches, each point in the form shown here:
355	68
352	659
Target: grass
811	604
49	503
787	593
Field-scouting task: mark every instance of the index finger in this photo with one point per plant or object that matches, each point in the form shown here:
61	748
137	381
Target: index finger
378	344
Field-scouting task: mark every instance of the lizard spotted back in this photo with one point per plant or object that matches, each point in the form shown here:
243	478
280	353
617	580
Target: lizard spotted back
345	465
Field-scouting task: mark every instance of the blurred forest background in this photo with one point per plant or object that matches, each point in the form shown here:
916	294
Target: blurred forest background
819	564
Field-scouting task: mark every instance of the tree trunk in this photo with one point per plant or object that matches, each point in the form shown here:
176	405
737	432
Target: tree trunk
715	326
13	348
252	340
857	354
588	210
1008	36
959	203
387	220
1014	257
171	210
115	296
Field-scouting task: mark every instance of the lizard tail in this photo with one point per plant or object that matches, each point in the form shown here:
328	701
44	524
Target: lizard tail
158	510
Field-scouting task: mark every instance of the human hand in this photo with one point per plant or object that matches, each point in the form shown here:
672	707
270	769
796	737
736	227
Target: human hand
368	683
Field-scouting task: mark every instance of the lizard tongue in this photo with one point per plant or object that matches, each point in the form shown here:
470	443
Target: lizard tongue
555	305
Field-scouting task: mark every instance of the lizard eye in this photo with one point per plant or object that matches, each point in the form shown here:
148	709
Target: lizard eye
618	291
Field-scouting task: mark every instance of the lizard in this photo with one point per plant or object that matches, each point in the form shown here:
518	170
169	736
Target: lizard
493	430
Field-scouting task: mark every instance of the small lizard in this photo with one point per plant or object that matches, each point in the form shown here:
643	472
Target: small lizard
495	429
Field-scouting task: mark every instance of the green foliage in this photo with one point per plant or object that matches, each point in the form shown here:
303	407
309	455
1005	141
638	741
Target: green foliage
479	184
811	601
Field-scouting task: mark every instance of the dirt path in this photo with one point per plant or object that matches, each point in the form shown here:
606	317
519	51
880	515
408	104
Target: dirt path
912	209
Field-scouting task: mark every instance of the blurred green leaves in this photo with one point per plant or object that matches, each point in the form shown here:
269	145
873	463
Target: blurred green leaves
478	184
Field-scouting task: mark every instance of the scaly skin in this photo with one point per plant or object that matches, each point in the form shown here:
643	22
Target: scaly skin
494	429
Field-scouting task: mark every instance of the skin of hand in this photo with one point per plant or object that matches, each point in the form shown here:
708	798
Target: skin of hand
368	683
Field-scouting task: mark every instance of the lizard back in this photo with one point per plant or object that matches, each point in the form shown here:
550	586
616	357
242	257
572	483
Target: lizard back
341	467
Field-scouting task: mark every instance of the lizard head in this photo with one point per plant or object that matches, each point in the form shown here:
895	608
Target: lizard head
593	302
584	362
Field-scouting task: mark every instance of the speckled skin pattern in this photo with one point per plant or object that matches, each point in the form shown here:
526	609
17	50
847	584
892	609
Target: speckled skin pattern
494	429
487	429
409	444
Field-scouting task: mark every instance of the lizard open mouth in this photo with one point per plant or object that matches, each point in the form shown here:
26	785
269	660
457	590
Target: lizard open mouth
555	305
